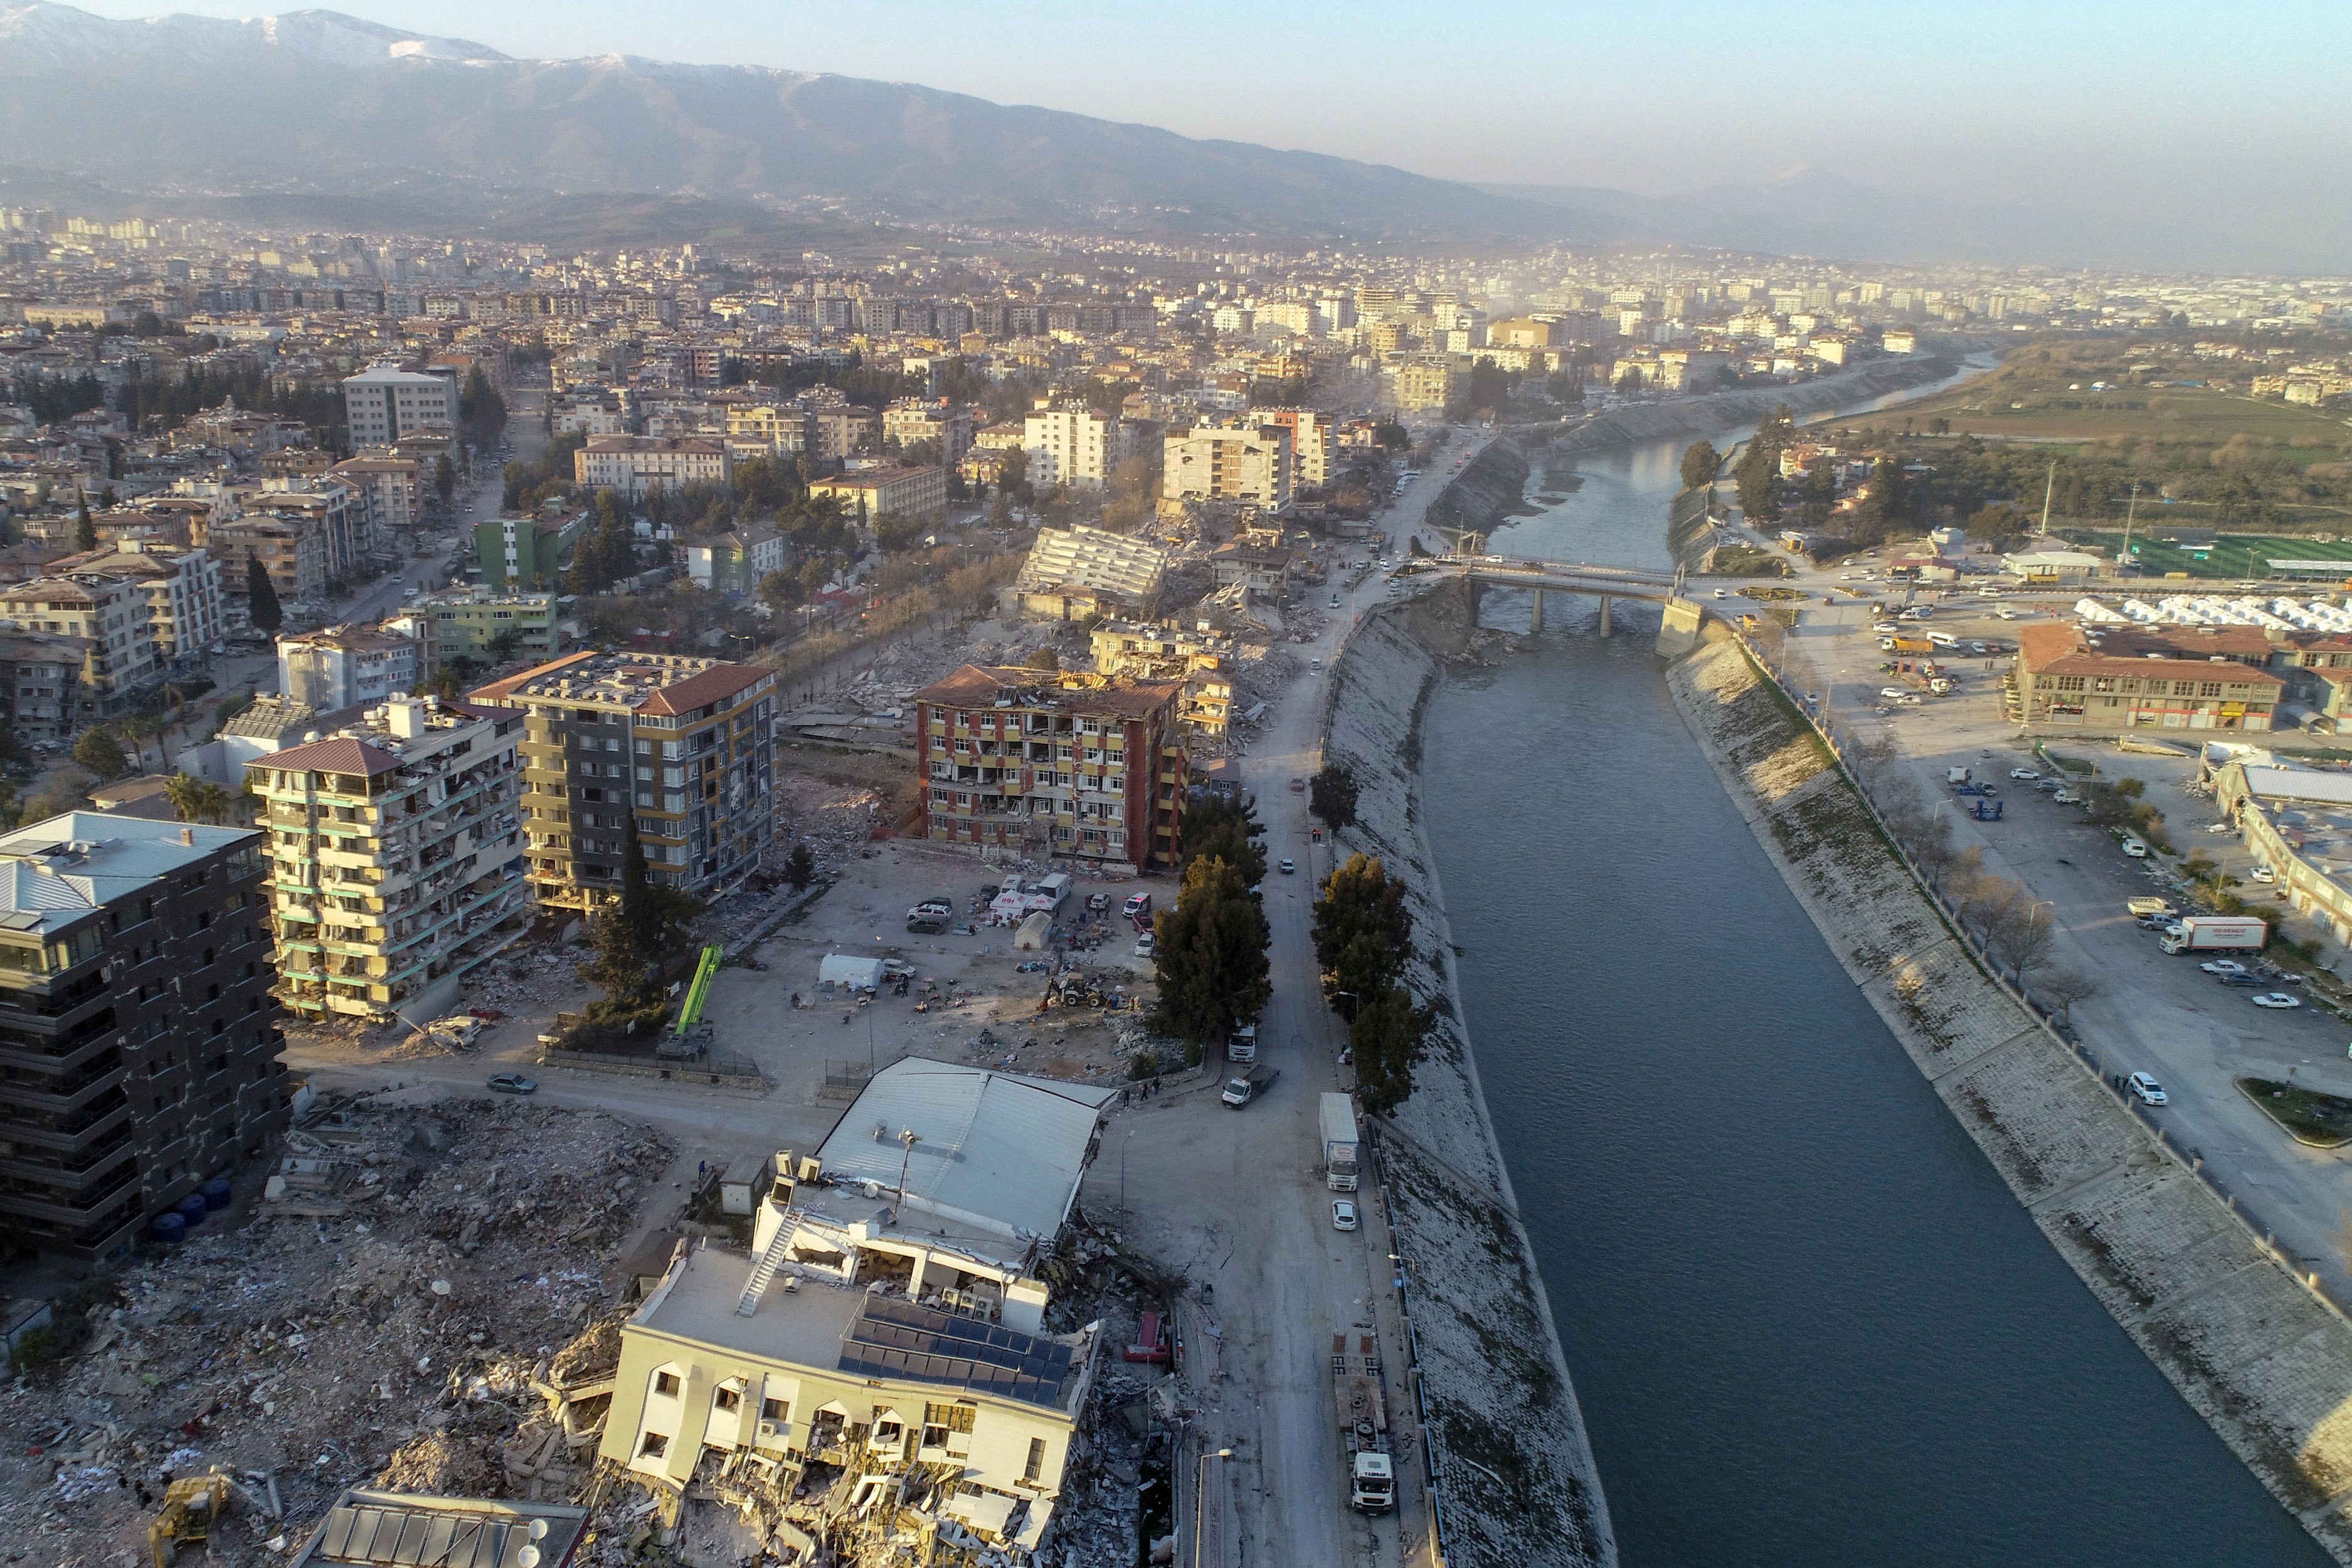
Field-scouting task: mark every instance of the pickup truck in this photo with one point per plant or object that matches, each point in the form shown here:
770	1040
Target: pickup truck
1240	1091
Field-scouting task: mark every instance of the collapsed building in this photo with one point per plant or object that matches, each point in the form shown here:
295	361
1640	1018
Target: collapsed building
1073	573
879	1373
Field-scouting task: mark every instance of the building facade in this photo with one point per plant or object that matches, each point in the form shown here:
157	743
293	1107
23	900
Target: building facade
186	612
638	465
1242	459
138	1031
111	614
887	490
2198	679
1072	445
1077	767
383	403
685	748
397	853
40	682
344	667
525	551
945	426
481	630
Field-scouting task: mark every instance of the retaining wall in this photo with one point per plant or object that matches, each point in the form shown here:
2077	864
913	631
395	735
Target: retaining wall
2255	1350
1508	1461
1722	410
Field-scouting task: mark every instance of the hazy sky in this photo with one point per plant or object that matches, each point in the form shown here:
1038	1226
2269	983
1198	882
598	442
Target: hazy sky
2237	112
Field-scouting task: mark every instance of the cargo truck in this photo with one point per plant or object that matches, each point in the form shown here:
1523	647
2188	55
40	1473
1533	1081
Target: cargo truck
1241	1045
1363	1424
1339	1143
2216	934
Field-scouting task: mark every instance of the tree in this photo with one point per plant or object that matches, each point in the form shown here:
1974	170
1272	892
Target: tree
1211	955
85	530
1042	658
187	795
634	936
1331	794
2061	988
261	597
799	867
1700	461
1386	1038
1997	522
1225	828
782	591
101	751
1360	907
445	477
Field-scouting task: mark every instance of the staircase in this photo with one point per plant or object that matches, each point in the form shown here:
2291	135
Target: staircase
764	1271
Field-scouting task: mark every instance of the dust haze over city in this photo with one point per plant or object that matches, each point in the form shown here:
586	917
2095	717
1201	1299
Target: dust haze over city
817	784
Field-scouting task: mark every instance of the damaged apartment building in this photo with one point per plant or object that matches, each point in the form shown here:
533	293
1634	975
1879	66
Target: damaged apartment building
878	1377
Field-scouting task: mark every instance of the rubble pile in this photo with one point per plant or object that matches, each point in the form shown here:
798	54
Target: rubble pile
410	1339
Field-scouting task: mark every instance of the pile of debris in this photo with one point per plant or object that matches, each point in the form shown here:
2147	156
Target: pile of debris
410	1337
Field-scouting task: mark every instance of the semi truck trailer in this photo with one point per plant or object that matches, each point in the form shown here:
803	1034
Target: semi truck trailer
1363	1424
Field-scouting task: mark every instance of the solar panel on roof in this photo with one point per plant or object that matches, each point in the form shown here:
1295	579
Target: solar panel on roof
899	1339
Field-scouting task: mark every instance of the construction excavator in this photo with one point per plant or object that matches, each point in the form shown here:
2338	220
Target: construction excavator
192	1505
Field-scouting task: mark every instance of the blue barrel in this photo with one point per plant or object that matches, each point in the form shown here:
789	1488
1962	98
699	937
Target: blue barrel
216	1192
191	1210
169	1228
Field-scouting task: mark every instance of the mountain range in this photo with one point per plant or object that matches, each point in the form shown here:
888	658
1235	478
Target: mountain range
318	118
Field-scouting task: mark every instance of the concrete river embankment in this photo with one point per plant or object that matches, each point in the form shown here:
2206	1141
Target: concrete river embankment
1821	1285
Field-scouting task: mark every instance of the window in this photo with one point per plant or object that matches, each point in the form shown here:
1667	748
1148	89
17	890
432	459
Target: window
777	1410
1036	1464
665	1385
728	1399
2209	689
655	1446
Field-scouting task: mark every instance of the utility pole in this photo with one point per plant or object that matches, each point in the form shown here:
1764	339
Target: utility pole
2047	485
2130	511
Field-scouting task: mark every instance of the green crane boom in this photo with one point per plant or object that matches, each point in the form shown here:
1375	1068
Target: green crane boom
699	993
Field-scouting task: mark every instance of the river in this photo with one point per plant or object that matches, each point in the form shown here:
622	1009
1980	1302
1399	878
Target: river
1807	1322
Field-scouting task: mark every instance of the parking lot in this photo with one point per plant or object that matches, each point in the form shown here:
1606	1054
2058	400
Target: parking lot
2152	1012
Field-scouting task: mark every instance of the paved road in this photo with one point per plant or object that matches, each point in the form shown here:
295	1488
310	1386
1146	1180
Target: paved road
2153	1013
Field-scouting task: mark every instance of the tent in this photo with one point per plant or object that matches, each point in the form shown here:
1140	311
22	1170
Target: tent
841	969
1032	931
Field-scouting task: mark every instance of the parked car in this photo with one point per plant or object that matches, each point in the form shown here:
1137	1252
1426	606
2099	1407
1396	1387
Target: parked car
1343	1215
2025	775
1298	786
2147	1089
2220	827
2276	999
2222	966
2067	798
512	1083
1893	693
2134	848
2237	980
2006	613
1286	866
2047	787
2262	874
1145	944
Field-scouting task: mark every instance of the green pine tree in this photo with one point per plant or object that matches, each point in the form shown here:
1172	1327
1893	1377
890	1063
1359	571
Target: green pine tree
85	529
261	597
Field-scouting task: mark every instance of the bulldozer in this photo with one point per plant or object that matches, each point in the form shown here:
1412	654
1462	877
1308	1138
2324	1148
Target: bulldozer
192	1505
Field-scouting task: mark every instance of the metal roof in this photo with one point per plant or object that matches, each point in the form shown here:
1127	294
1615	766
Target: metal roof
404	1530
999	1151
921	1344
55	871
2299	783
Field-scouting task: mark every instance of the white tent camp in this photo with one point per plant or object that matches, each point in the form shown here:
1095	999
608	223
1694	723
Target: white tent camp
842	969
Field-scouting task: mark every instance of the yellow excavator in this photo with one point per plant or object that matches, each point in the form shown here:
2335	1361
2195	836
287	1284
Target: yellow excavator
192	1505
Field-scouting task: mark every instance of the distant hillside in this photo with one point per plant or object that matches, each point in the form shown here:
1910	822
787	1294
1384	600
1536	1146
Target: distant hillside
315	103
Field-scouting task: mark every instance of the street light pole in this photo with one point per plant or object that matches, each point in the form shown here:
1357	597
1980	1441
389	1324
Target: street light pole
1201	1508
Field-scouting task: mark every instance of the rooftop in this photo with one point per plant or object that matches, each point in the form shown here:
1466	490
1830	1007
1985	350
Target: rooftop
977	686
642	682
54	872
382	1529
1091	558
999	1152
859	1332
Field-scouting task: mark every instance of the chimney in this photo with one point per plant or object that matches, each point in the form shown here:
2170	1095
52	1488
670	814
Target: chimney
188	837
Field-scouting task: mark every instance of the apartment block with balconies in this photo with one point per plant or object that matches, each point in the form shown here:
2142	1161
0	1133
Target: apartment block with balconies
683	748
398	855
138	1041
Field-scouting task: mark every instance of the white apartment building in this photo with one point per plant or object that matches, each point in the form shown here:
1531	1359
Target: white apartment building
910	420
186	612
382	404
1073	446
392	489
110	611
1240	459
635	465
343	666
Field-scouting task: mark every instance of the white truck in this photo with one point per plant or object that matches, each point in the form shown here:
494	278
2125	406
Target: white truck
1339	1116
1363	1424
1241	1045
2216	934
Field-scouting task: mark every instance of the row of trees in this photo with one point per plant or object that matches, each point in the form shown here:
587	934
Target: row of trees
1363	937
1211	945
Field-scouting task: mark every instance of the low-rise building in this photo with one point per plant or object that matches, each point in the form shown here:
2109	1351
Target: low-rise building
135	1019
2051	568
398	854
343	666
638	465
1265	569
887	490
526	552
904	1340
734	562
40	682
1064	766
683	749
479	628
2193	678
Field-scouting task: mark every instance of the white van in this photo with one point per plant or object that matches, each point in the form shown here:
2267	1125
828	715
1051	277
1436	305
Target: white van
1944	639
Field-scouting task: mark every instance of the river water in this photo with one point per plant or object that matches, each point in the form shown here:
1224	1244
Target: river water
1807	1322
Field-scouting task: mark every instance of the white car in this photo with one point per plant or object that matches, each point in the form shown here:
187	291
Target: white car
2024	776
2222	966
1343	1215
2277	999
2220	827
2147	1089
1286	866
2006	614
2066	798
1894	693
2263	874
2134	848
1145	944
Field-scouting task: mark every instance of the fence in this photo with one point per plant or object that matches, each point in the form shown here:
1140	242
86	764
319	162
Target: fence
2264	1241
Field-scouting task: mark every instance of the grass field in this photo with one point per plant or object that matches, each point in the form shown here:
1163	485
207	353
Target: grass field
2232	558
2017	405
2322	1120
